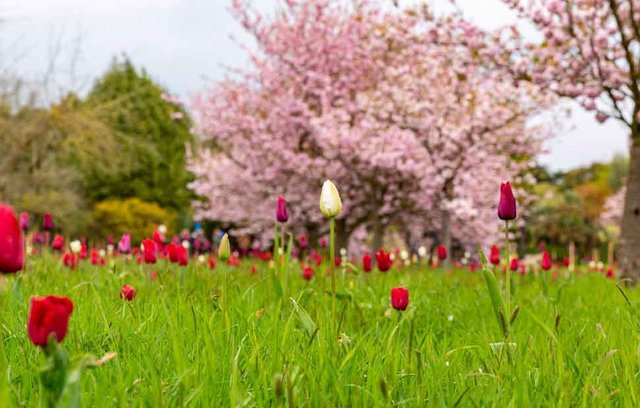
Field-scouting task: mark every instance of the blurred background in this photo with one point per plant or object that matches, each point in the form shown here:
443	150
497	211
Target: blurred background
97	123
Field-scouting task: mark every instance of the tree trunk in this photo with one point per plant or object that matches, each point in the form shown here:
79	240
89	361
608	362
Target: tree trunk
629	253
378	234
446	236
342	235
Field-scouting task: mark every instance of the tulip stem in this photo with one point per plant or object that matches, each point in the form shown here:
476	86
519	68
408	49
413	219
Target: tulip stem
508	274
332	256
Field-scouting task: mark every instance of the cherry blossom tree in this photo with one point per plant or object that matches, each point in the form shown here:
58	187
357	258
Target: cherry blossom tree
591	53
396	107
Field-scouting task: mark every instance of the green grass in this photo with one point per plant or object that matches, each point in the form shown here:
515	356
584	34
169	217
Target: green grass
173	349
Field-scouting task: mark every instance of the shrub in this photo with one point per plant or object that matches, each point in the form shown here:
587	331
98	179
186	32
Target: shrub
132	215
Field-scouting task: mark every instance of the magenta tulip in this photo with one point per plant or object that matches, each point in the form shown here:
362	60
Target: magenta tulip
507	204
11	241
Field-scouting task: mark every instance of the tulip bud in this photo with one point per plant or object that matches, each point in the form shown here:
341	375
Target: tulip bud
399	298
11	241
281	210
127	293
48	317
367	263
515	263
224	249
75	246
330	203
47	222
546	261
442	252
24	221
507	204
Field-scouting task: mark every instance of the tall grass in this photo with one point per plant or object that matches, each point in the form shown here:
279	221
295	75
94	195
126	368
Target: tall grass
575	346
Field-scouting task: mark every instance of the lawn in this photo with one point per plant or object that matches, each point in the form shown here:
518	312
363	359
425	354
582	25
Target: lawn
576	338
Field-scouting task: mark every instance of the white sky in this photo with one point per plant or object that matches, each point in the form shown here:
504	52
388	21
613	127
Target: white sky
186	44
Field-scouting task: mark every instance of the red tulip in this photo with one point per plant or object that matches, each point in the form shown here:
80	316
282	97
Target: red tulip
47	222
523	269
442	252
153	275
127	293
183	257
254	269
507	204
515	263
70	260
48	316
11	241
546	260
212	263
233	261
172	249
58	243
611	274
323	243
566	261
149	251
337	261
367	263
399	298
384	260
303	242
281	210
494	258
307	273
95	257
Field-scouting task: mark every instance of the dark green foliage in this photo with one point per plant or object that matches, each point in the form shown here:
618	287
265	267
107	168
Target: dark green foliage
151	142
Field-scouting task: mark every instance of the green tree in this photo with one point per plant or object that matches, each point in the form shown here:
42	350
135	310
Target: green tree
152	132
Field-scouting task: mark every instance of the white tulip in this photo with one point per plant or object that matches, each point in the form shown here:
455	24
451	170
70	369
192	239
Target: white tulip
75	246
330	203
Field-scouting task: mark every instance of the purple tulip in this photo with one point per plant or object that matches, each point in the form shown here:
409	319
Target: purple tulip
507	204
24	221
281	210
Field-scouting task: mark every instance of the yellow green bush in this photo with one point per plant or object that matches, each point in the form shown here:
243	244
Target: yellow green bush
132	215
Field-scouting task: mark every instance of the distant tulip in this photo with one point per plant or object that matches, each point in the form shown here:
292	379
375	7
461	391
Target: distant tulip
367	263
37	238
11	241
507	204
124	245
183	256
47	222
494	258
330	203
153	275
254	269
442	252
546	261
233	261
127	293
172	250
515	263
70	260
281	210
384	260
48	316
337	261
95	257
307	273
24	221
566	261
399	298
75	246
110	240
224	249
212	263
611	273
303	242
323	243
58	243
149	251
523	269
